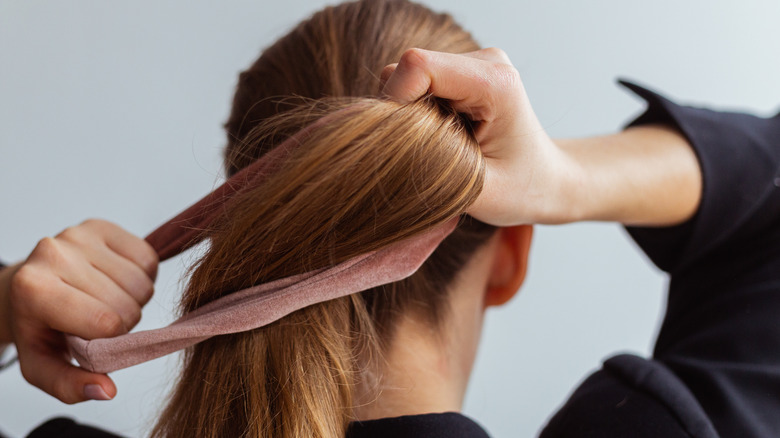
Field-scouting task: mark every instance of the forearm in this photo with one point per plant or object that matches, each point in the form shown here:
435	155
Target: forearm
6	274
646	175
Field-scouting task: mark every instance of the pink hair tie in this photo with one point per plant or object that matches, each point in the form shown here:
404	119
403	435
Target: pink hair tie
259	305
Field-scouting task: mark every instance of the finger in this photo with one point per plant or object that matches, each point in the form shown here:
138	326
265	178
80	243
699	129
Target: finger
417	56
473	86
50	370
58	268
490	54
90	280
129	277
76	269
385	75
88	242
411	78
38	297
127	245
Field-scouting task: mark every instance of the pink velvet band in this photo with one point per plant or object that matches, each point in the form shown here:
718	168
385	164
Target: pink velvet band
259	305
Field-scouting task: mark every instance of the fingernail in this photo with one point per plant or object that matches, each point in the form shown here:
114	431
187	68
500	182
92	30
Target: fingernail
95	392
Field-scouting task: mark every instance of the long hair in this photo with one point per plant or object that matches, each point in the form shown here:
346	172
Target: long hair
377	172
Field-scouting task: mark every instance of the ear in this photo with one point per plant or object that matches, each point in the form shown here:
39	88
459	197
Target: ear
510	262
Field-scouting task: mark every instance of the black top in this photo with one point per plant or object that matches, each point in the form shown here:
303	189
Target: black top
448	424
715	371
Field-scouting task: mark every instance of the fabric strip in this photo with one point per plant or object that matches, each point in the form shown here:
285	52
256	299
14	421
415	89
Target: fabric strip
260	305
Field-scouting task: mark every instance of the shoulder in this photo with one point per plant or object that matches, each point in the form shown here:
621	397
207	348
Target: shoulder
630	397
65	427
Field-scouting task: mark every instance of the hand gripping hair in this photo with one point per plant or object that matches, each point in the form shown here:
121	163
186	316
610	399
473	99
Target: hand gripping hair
365	193
264	303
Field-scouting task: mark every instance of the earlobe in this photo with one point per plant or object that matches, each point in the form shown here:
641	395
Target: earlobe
509	264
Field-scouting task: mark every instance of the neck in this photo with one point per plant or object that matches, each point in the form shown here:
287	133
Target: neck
426	371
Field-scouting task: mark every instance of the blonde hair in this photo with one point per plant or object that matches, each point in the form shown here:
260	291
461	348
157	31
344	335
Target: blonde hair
375	173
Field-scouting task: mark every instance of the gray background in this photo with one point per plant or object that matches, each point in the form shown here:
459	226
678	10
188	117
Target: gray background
114	110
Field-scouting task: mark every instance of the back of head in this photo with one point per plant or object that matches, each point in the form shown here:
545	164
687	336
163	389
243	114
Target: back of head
373	173
340	52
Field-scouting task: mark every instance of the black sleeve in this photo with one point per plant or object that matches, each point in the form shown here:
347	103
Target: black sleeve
67	428
740	159
715	370
721	331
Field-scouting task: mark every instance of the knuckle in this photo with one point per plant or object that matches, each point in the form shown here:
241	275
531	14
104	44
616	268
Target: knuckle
414	58
61	390
498	54
152	258
146	293
134	317
505	76
26	286
108	323
483	82
24	278
47	248
496	83
72	234
94	229
57	388
149	260
142	288
95	223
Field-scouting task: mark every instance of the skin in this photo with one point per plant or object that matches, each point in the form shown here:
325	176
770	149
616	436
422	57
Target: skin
428	370
647	175
91	280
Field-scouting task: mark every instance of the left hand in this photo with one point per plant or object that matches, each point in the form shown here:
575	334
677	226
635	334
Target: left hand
90	281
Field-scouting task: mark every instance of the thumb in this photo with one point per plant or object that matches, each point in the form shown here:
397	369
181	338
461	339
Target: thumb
56	376
385	75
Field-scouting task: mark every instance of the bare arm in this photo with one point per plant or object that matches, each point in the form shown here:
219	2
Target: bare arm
645	175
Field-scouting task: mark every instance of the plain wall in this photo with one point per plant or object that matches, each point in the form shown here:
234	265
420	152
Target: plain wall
114	110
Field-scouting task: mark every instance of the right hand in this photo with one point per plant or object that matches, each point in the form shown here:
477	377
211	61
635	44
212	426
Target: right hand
525	169
91	281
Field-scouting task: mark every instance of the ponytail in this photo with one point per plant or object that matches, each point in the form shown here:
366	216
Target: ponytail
376	173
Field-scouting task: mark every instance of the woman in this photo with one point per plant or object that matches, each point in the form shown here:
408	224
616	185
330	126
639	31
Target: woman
386	361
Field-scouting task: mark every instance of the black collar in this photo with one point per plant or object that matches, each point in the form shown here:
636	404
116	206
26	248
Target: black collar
448	424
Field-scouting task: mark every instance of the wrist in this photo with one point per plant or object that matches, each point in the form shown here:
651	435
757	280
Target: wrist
564	196
590	186
6	275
